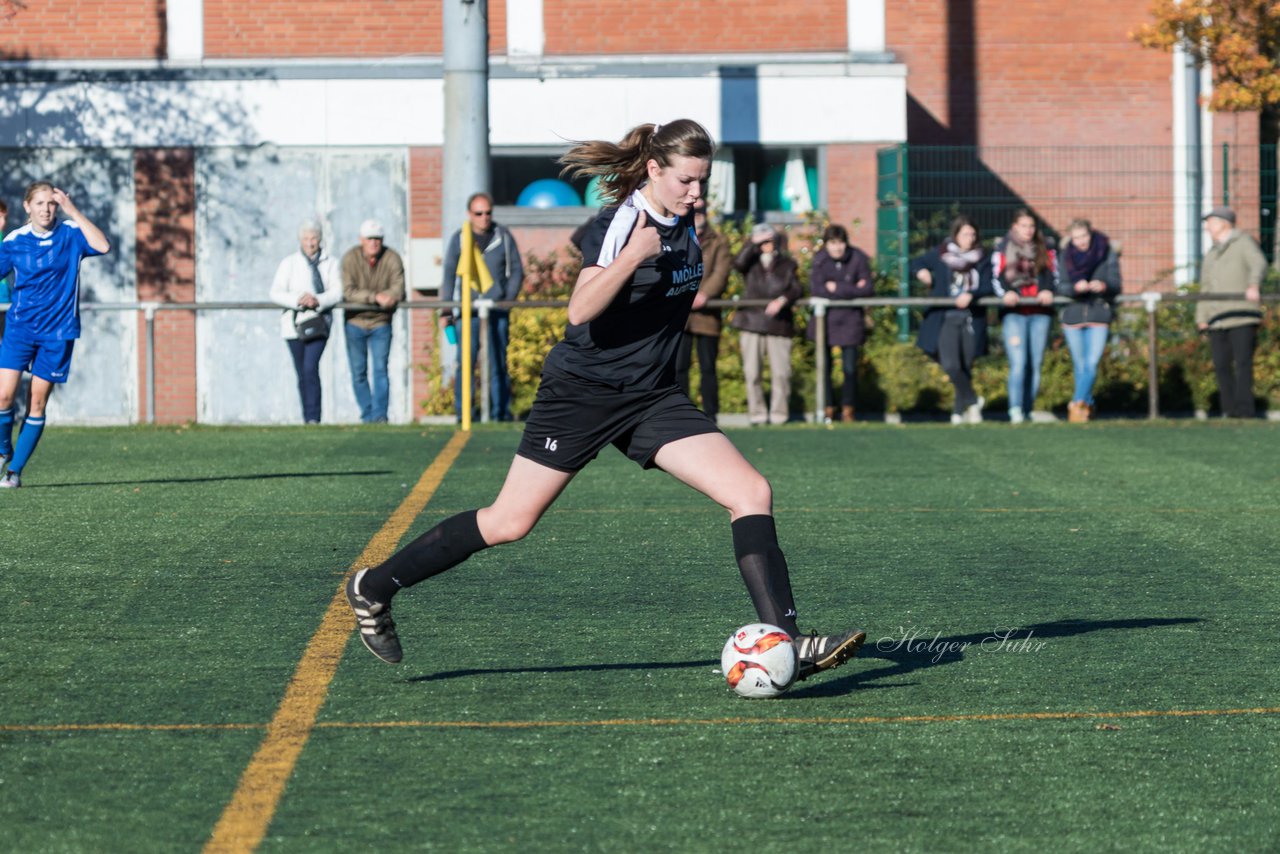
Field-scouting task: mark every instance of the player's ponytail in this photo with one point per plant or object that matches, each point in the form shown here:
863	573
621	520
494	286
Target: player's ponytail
623	166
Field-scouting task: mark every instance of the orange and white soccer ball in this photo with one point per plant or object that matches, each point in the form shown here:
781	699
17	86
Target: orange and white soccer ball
759	661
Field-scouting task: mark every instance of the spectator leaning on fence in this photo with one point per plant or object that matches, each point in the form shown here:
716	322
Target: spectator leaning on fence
766	331
702	330
484	254
307	284
1023	266
372	274
1089	274
956	334
1233	265
841	272
44	320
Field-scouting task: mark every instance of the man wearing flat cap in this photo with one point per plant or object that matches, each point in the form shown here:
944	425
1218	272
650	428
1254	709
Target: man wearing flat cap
1233	265
373	275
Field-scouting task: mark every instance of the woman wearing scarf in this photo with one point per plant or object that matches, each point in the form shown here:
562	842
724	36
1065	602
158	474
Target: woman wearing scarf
1091	279
307	284
956	334
1023	267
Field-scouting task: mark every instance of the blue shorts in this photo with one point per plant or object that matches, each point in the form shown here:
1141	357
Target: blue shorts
48	360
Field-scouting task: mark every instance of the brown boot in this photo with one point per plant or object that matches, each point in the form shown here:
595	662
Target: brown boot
1076	412
829	412
846	413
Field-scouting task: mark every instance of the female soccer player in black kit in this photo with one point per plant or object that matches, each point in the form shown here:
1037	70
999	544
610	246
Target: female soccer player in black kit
611	381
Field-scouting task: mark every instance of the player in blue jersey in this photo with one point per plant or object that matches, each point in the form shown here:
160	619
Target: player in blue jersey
44	316
612	381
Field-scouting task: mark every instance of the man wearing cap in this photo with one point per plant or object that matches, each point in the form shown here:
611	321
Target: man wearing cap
1233	265
373	275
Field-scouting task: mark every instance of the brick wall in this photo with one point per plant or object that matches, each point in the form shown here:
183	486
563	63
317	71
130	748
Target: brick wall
165	193
851	191
669	26
333	28
84	29
994	72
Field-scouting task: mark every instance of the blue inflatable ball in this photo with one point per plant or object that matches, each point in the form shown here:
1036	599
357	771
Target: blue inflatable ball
548	193
593	197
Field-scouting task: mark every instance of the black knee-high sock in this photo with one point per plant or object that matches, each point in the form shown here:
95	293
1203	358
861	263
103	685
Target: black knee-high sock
764	569
446	545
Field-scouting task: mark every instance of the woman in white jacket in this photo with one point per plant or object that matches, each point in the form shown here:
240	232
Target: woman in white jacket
308	284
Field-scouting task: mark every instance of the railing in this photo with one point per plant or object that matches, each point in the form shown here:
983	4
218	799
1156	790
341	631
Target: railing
1150	301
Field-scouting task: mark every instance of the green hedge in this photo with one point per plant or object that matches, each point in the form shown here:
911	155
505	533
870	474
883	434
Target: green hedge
895	377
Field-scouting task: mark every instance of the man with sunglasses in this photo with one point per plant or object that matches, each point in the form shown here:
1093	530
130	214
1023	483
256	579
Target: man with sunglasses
492	265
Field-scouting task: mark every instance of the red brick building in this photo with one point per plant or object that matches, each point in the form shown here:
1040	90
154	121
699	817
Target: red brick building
207	130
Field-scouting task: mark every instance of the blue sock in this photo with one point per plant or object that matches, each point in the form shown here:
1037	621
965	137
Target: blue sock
28	436
6	432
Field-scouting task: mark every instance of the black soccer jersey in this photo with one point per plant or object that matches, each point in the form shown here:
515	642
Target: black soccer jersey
632	344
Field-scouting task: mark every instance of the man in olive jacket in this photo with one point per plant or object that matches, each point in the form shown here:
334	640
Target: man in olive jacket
372	274
1233	265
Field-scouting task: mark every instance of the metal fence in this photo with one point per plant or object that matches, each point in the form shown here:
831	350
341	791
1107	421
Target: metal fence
1140	196
1150	301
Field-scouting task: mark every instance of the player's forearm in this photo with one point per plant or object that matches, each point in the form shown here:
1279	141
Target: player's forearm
92	234
596	290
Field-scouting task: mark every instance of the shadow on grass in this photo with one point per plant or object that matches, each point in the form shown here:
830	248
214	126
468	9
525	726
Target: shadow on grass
917	649
567	668
906	654
213	479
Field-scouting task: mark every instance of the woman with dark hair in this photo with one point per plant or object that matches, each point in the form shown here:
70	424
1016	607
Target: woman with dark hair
43	323
612	381
956	334
1024	267
841	272
1091	279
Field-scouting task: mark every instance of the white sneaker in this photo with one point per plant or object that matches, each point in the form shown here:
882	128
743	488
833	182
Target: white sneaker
1016	416
973	413
957	418
11	480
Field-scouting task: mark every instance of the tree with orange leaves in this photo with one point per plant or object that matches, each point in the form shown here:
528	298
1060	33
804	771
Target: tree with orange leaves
1239	39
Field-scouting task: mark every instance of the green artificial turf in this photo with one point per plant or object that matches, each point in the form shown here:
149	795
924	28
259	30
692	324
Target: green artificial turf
1040	602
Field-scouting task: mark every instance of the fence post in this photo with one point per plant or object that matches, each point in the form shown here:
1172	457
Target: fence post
149	313
1226	172
483	306
1151	299
823	355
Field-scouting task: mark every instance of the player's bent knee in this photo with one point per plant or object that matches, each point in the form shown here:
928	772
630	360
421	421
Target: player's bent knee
754	497
497	529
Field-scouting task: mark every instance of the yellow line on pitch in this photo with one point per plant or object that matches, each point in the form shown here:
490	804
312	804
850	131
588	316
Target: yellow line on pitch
903	719
659	722
244	821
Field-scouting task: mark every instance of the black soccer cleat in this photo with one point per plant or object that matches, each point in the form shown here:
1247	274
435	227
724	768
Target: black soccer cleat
373	621
823	652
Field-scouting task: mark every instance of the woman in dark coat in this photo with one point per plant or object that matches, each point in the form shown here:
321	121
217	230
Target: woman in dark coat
1090	266
841	272
956	334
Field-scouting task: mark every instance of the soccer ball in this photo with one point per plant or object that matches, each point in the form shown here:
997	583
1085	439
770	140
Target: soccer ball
759	661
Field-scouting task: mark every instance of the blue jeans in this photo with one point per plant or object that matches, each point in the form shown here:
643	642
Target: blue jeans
499	379
1087	344
1025	337
306	361
367	354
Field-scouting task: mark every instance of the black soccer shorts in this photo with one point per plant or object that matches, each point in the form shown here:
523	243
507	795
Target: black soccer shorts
572	420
